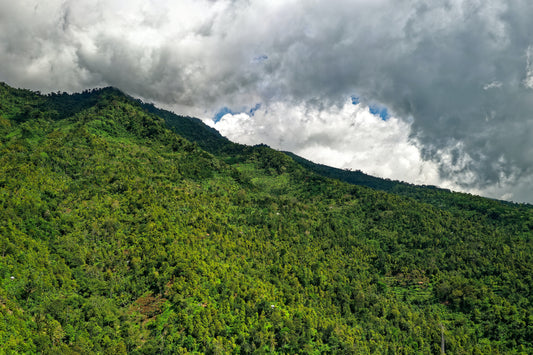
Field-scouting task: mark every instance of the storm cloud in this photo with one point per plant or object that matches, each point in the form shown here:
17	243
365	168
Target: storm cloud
455	77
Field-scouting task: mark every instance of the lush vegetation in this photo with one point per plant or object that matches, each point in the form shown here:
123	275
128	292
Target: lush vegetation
118	235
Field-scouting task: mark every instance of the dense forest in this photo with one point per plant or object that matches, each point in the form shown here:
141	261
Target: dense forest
129	229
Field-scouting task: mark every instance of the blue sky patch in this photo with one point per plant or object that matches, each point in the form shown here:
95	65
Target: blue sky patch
379	111
223	111
355	100
255	108
260	58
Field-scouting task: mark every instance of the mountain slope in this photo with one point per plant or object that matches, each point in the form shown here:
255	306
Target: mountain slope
458	203
117	235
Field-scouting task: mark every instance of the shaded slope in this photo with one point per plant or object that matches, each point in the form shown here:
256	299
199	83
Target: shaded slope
192	129
459	204
352	177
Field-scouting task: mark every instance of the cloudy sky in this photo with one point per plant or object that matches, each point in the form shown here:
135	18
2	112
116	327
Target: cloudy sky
434	92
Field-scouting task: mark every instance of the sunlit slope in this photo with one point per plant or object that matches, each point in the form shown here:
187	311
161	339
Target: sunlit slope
118	235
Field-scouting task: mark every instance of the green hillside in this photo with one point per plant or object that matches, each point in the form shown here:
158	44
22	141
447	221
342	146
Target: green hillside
459	203
117	235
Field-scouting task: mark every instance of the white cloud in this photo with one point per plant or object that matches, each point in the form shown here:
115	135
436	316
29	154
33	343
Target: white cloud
348	136
493	85
528	81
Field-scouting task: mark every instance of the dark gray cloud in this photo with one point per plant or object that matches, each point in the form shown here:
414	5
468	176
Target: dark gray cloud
458	72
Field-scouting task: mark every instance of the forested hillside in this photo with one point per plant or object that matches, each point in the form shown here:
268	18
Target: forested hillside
117	235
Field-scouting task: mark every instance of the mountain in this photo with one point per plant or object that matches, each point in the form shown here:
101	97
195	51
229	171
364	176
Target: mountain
129	229
210	140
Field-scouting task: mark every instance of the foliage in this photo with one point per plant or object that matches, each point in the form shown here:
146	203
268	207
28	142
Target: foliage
119	236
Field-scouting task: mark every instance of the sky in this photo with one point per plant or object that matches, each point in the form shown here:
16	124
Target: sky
436	93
